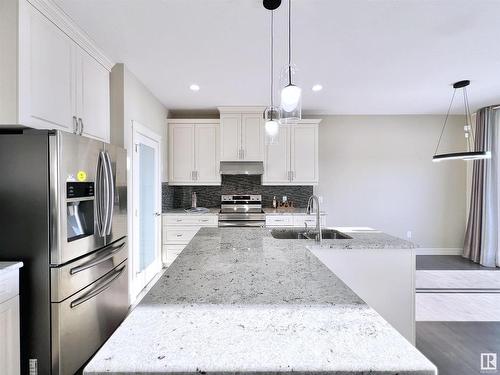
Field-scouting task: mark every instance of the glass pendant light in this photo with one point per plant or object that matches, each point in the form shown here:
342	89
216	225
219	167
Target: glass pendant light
471	153
272	113
291	94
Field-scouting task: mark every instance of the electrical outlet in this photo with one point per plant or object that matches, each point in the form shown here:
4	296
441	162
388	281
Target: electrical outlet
408	235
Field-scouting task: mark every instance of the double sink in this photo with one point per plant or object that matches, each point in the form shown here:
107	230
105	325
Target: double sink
303	234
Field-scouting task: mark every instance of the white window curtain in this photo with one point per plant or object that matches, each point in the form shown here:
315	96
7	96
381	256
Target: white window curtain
481	243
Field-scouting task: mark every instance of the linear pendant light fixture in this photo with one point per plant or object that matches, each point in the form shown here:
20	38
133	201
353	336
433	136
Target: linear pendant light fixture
272	113
291	94
471	153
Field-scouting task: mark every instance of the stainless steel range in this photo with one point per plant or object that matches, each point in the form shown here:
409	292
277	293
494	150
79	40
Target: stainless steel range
241	211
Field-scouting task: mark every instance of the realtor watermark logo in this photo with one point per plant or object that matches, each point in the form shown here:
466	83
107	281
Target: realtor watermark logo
489	362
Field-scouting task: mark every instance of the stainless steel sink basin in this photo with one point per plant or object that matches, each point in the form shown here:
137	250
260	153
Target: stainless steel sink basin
302	234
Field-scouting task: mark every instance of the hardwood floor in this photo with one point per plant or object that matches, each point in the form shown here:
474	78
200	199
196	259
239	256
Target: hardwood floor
456	347
448	262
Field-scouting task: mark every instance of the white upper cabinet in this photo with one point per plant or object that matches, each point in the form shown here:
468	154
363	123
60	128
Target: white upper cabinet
252	136
181	153
93	101
206	142
59	79
277	160
304	154
241	133
193	155
294	160
230	136
47	70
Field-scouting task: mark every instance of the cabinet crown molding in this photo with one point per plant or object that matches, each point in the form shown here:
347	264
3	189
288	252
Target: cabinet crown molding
193	121
68	26
247	109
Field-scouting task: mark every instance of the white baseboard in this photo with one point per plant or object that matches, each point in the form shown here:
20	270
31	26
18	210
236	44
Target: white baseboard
438	251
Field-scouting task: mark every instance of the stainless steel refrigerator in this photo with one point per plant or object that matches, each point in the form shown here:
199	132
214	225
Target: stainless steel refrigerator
63	212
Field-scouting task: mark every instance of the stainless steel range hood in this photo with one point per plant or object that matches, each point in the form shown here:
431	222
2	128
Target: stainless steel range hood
242	167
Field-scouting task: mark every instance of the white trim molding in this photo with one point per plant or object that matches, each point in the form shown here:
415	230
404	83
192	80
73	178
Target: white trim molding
55	14
439	251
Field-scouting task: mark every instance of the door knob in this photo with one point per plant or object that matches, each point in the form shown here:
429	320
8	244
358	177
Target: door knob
157	214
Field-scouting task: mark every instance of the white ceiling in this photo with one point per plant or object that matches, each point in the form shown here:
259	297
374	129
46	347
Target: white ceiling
371	56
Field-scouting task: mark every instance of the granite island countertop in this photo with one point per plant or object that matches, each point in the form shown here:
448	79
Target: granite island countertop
237	300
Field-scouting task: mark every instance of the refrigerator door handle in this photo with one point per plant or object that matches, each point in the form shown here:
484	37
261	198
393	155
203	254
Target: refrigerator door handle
100	287
82	267
100	195
111	195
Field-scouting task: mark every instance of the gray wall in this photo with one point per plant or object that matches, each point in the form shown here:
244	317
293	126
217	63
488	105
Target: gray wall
132	101
377	171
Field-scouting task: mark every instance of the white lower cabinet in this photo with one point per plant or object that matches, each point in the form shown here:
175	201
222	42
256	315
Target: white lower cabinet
9	323
294	220
179	229
294	160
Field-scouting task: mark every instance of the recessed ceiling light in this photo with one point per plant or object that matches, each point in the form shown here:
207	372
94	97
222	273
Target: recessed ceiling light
194	87
317	87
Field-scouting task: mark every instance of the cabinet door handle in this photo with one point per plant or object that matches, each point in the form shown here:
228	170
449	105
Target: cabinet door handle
75	125
81	126
196	175
293	175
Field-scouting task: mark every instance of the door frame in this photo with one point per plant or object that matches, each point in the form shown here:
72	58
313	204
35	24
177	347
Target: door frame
139	280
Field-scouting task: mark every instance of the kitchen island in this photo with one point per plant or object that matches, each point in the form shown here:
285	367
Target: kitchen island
237	300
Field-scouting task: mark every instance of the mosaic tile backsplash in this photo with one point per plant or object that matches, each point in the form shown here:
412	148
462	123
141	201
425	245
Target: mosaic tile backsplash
209	196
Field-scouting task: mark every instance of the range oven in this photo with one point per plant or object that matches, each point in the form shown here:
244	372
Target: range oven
241	211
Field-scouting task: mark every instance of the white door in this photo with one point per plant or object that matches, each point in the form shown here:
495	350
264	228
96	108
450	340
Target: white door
206	154
146	197
252	135
181	153
230	128
47	86
277	159
93	96
304	154
9	336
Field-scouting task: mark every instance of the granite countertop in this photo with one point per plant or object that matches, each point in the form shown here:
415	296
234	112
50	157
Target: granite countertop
216	210
237	300
288	211
9	266
181	211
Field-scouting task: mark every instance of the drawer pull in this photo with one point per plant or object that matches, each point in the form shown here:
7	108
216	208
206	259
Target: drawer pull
179	220
204	220
179	235
99	287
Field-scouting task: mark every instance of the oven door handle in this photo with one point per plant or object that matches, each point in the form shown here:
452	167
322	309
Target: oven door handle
91	263
100	287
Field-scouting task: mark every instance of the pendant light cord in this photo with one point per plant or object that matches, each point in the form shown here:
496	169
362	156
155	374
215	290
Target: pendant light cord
469	118
289	42
272	58
445	121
